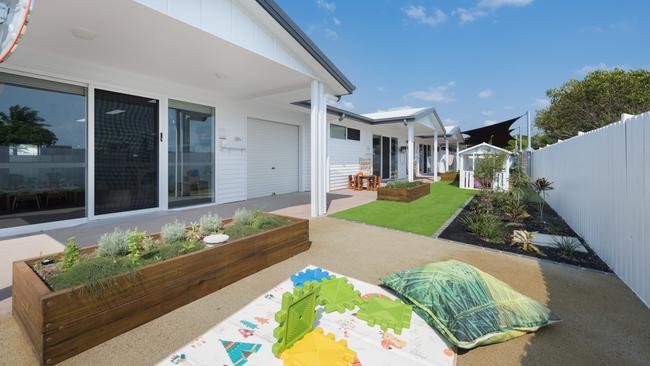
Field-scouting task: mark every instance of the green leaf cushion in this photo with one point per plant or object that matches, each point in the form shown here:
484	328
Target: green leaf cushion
467	306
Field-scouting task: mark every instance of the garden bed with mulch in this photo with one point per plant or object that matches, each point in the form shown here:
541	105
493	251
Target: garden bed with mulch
553	224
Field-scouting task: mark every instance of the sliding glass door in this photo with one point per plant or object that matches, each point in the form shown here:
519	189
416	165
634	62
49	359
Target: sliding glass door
191	154
126	152
384	156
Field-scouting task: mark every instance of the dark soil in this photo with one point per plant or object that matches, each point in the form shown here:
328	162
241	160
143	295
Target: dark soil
553	224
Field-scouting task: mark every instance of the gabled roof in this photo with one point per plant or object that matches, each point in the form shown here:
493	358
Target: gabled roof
398	116
294	30
485	144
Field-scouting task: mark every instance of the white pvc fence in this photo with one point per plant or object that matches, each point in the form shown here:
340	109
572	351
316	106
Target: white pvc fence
602	190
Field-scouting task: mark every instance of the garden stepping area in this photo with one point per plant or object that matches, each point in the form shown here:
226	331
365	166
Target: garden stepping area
547	240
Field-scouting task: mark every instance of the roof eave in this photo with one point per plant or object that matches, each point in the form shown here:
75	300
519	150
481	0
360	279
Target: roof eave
274	10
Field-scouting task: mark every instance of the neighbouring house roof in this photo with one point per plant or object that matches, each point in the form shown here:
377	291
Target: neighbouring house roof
274	10
497	134
484	145
398	116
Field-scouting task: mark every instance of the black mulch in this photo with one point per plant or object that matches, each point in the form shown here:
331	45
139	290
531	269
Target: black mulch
553	224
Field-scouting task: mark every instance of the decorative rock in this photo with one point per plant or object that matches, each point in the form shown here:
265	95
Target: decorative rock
216	239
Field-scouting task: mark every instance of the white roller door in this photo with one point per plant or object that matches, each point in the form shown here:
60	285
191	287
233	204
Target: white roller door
272	158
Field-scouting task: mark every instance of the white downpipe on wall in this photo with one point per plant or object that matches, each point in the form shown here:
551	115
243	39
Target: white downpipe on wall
457	156
318	149
411	152
435	154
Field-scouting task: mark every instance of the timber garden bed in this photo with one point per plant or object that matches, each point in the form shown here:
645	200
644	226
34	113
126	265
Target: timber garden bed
62	323
403	191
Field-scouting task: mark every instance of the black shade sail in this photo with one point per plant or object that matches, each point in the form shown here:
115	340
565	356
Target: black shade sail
497	134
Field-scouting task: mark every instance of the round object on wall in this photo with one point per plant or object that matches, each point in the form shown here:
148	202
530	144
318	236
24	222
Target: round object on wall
14	16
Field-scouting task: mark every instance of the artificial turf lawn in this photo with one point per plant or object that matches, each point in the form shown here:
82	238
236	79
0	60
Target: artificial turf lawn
423	216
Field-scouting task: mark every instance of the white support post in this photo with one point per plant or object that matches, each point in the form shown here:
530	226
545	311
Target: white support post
446	154
318	142
435	154
411	152
529	132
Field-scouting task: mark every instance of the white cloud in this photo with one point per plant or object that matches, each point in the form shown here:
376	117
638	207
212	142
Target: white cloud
324	4
508	108
381	89
489	122
439	94
500	3
485	93
336	21
450	122
468	15
541	102
487	113
485	8
330	33
420	14
601	66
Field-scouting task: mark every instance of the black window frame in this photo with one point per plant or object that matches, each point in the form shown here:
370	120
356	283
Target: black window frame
358	134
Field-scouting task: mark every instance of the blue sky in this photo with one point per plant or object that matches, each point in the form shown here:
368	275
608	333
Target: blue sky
476	61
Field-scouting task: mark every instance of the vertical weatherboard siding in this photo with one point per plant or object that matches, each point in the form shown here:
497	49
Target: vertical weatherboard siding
602	190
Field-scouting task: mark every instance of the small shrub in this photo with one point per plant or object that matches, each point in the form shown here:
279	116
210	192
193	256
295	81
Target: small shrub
194	233
487	226
524	240
267	222
243	216
567	246
135	241
96	272
71	254
236	231
190	246
210	224
402	183
173	232
113	244
514	208
148	243
487	168
541	186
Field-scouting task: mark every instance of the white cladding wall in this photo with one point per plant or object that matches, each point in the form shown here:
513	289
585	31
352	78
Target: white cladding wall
344	155
602	185
229	20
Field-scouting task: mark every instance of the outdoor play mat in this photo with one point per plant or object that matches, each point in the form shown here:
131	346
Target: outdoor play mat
246	338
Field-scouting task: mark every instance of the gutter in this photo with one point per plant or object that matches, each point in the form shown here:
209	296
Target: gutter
274	10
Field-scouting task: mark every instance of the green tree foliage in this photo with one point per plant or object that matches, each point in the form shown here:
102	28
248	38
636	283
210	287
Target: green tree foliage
71	254
486	168
597	100
24	126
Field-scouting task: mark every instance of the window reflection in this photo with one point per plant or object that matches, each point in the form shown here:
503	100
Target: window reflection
191	154
42	151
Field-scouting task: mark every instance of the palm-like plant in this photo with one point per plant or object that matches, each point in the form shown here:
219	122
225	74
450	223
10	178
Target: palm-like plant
541	186
524	240
23	125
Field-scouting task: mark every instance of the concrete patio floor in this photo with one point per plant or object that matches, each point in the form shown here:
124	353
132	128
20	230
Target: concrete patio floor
604	323
53	241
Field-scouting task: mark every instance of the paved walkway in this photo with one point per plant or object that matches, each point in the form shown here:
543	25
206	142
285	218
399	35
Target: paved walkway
53	241
604	322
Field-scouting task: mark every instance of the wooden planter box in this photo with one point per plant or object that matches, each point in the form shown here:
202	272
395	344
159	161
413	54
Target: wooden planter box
403	194
64	323
449	176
